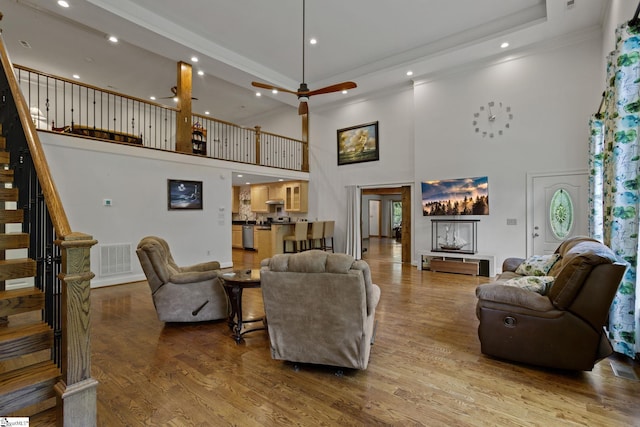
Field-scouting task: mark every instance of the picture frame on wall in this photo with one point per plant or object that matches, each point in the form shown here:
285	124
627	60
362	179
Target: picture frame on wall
182	194
357	144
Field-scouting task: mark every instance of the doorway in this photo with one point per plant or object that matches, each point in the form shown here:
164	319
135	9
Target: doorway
394	220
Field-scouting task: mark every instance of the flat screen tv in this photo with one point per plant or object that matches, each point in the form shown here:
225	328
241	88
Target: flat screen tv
463	196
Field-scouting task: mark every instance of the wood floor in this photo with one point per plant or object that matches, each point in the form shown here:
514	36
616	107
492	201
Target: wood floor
425	369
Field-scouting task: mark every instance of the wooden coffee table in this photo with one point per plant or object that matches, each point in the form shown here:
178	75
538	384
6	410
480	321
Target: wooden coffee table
234	283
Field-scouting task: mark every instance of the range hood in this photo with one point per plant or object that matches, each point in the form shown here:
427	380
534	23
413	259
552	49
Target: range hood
275	202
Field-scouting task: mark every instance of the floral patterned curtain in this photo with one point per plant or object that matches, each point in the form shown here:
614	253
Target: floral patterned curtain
615	182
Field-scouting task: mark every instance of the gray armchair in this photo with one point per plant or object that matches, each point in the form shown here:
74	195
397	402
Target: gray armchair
320	308
181	294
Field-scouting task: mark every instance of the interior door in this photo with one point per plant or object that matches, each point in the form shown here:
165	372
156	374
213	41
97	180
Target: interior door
374	218
559	210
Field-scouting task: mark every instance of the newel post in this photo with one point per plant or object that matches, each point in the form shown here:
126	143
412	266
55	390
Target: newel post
257	145
76	391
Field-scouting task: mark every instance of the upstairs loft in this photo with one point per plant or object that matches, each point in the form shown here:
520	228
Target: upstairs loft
65	106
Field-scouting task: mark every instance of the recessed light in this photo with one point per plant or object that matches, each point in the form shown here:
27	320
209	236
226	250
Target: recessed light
76	76
239	175
281	179
313	40
175	99
194	58
504	45
207	113
344	92
113	39
409	73
63	3
200	73
248	183
274	91
153	98
258	94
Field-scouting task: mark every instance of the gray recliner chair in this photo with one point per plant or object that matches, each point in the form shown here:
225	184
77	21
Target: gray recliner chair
320	308
181	294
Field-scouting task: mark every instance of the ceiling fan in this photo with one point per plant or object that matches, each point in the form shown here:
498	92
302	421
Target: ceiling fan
303	93
174	90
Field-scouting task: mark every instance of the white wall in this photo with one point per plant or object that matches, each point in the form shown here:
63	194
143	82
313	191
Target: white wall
426	133
86	172
552	93
618	12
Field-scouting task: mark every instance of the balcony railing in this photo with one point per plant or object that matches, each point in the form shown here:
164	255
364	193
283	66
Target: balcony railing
60	105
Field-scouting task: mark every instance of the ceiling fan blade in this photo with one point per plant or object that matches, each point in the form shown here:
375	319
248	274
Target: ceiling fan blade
173	97
174	90
333	88
303	108
270	87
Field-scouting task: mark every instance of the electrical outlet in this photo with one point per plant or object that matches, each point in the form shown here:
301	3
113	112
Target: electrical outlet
512	221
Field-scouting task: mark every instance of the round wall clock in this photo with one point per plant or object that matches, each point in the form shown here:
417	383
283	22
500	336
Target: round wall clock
492	119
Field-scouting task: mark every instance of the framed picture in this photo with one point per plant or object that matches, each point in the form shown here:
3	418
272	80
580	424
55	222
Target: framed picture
184	194
358	144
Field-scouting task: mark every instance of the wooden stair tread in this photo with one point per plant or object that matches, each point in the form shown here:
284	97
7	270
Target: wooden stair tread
22	300
8	194
17	268
6	175
29	385
14	241
20	340
8	216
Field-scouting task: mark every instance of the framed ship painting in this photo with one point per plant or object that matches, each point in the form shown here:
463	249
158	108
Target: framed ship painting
358	144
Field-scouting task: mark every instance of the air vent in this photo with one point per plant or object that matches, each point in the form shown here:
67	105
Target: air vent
25	44
115	259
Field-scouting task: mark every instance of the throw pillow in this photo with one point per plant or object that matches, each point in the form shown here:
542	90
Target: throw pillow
537	265
538	284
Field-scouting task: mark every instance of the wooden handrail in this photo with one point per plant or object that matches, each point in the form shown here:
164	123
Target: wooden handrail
52	198
76	389
88	86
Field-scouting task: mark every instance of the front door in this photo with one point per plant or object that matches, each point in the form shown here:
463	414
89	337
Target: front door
559	209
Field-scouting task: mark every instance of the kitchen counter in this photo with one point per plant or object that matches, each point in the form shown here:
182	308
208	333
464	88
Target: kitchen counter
269	237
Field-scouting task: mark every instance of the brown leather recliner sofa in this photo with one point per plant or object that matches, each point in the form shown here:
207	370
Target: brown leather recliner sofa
320	308
181	294
565	327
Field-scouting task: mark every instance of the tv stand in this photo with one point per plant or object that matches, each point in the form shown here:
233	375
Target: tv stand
474	264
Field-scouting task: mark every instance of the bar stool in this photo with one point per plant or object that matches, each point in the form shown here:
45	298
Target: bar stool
317	232
299	238
328	234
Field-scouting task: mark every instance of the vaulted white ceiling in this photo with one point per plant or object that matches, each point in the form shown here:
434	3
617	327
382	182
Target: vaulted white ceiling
373	43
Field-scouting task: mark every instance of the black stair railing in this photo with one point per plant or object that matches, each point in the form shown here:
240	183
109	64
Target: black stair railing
37	221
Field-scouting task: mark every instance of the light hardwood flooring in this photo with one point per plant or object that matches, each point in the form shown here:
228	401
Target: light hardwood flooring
425	369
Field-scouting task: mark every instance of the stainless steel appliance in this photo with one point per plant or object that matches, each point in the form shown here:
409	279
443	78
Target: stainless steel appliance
247	236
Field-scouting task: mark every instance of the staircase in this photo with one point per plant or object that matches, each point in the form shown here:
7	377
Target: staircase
27	372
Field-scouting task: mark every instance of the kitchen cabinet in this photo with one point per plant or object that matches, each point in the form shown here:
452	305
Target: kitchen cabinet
235	199
236	236
256	241
259	197
263	239
276	191
296	195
